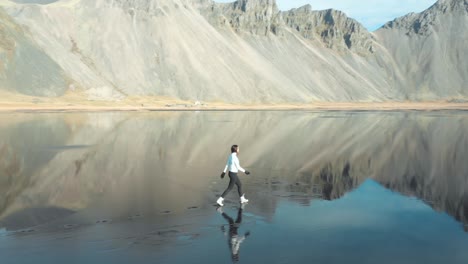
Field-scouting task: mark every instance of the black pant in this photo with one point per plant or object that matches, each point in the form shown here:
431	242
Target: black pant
233	226
233	180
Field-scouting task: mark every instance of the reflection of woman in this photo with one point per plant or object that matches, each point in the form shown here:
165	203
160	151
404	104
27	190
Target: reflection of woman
234	239
234	168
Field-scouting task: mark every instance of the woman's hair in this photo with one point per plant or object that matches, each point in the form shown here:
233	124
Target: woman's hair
234	148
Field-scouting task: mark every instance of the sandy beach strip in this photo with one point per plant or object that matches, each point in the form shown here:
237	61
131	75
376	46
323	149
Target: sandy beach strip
78	102
111	107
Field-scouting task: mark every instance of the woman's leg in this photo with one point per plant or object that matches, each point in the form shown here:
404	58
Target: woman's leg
232	181
239	186
239	216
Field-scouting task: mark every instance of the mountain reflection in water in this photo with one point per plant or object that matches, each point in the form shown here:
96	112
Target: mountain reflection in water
98	166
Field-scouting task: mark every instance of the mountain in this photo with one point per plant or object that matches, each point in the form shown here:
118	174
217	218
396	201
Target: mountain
430	50
247	51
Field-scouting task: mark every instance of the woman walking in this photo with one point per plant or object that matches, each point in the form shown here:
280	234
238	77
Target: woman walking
234	167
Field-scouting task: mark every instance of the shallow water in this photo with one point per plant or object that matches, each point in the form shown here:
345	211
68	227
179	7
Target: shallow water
334	187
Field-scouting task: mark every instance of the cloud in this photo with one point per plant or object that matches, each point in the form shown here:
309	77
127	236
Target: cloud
371	13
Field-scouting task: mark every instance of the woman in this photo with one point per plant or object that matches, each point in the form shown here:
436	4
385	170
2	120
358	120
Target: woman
234	168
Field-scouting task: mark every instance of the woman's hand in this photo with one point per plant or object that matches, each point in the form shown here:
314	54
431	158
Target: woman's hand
222	175
247	172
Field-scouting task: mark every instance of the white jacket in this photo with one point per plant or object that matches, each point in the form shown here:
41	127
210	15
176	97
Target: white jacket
233	164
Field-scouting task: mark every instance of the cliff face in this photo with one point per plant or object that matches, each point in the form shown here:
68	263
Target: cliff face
246	51
258	17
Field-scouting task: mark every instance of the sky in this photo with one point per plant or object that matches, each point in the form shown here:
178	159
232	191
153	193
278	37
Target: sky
371	13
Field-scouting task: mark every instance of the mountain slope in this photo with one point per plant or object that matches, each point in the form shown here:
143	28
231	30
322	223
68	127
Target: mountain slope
430	48
167	48
24	67
41	2
246	51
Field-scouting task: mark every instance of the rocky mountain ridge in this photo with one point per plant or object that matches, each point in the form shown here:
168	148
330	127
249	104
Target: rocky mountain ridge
421	23
333	27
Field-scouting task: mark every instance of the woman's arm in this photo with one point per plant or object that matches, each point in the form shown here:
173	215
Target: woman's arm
236	163
227	165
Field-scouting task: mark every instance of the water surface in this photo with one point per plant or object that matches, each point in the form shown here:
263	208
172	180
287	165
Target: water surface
334	187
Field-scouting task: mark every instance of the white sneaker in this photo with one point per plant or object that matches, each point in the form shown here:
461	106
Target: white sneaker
243	200
220	201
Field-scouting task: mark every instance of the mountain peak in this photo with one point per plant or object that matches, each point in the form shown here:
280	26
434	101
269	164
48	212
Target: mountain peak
246	5
420	23
451	5
305	8
258	17
336	30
